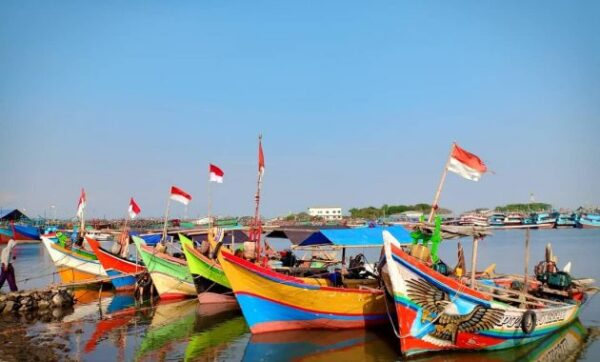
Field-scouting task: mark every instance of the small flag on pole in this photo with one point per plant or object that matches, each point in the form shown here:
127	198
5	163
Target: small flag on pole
466	164
216	174
261	161
179	195
81	204
134	209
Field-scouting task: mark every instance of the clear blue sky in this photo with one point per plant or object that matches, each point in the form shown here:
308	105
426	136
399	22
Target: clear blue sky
358	102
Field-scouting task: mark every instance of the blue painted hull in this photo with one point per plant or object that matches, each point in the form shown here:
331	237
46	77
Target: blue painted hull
126	282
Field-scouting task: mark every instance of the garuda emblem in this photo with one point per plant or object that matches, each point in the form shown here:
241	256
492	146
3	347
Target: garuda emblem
449	321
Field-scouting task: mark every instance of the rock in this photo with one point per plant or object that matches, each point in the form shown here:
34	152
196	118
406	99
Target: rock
8	307
24	308
58	300
26	301
43	304
2	298
57	313
2	304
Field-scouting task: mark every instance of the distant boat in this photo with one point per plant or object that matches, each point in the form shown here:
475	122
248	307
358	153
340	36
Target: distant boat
473	219
496	220
544	220
589	221
19	232
565	221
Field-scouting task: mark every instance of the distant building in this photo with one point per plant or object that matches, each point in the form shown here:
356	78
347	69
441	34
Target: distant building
327	213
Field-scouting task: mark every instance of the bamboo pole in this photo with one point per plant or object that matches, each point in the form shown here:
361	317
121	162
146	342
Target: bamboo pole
526	274
474	262
436	198
257	223
164	233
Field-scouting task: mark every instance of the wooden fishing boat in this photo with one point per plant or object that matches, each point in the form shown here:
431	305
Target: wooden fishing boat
210	280
272	301
589	221
73	264
439	313
19	232
170	275
123	271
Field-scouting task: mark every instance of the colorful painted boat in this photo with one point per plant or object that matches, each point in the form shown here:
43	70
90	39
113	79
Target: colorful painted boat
589	221
72	264
122	270
170	275
272	301
19	233
210	280
439	313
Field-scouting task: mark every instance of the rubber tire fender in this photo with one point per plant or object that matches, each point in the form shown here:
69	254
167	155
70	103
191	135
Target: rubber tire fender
528	321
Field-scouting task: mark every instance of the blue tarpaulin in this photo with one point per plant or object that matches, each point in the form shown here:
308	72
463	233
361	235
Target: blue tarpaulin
359	237
150	239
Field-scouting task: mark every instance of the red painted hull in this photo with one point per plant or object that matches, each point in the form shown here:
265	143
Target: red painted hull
110	261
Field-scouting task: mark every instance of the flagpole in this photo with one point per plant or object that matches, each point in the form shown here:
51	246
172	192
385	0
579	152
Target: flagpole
82	221
434	205
164	234
257	223
209	190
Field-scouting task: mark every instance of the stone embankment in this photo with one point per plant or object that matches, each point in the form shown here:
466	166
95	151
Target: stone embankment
36	302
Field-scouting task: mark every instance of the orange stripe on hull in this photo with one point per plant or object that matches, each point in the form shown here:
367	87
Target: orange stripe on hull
70	275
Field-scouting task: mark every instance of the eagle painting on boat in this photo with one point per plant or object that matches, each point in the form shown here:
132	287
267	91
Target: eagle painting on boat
446	315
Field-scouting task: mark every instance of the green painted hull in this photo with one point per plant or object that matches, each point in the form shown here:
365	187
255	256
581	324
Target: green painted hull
170	276
203	267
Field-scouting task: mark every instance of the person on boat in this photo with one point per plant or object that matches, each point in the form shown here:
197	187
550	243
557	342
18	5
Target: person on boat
7	271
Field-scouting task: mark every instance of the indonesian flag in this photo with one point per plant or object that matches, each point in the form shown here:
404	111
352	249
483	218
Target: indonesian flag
216	174
81	204
180	196
466	164
134	209
261	161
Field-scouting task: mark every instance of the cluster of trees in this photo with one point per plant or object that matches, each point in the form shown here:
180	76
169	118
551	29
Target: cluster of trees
301	216
372	212
529	207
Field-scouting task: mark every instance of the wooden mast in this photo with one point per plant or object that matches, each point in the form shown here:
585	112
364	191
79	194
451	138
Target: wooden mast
526	274
257	227
434	205
164	233
474	261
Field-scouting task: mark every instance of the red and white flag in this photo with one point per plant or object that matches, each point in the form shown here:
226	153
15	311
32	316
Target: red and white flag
261	161
134	209
179	195
81	204
466	164
216	174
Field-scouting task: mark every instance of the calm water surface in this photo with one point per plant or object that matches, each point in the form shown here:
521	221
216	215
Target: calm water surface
107	326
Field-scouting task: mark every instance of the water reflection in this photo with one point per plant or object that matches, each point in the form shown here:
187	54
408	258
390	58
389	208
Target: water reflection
357	345
189	326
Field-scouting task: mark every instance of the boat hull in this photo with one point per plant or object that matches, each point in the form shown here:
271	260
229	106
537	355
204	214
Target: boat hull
211	283
170	275
122	271
73	266
19	233
274	302
425	331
